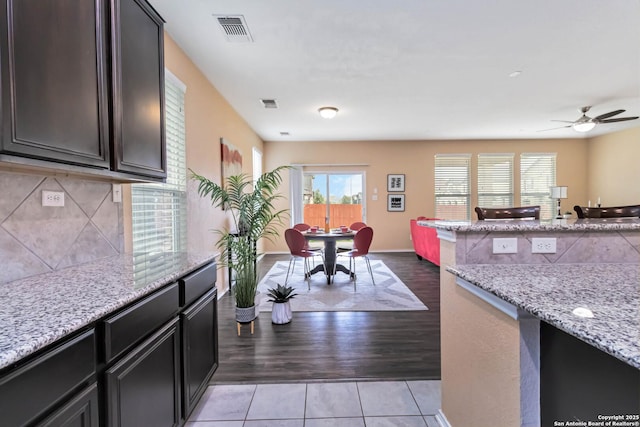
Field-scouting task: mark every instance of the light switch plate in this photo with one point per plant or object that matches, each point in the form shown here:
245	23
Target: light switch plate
116	191
506	245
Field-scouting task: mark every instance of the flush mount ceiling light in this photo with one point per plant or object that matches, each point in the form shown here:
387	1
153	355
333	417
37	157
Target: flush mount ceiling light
328	112
583	127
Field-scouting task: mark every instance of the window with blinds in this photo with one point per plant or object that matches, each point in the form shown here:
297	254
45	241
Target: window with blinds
256	156
452	186
537	174
495	180
159	211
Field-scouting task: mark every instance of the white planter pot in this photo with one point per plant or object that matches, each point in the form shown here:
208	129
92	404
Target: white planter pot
281	313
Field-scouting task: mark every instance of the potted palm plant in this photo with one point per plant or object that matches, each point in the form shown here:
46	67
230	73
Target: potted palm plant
253	216
281	310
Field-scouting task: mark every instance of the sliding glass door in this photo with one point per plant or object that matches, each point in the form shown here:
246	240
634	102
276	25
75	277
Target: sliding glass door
333	199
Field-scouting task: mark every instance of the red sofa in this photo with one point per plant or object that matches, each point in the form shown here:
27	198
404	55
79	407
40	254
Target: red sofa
425	241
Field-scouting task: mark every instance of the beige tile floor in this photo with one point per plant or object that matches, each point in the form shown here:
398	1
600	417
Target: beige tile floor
334	404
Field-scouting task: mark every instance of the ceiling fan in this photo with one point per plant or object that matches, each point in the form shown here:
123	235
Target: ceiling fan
586	123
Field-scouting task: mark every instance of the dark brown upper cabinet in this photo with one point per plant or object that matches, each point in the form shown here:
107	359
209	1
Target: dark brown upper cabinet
83	87
54	81
138	89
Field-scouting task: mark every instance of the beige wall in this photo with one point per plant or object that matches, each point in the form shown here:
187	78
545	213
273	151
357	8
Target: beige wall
614	168
208	118
480	349
415	159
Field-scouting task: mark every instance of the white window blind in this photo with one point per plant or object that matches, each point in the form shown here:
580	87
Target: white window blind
495	180
256	156
452	186
159	210
537	174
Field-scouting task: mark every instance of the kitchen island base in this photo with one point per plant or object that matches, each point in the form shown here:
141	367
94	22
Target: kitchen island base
580	382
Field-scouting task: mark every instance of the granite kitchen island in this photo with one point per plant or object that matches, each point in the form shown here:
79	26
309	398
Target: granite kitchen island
514	351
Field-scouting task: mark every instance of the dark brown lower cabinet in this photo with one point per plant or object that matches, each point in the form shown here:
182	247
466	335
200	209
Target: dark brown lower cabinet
81	411
146	364
143	388
35	389
199	348
579	382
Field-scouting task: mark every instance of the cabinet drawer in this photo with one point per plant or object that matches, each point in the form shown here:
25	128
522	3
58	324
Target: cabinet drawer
197	283
30	391
136	322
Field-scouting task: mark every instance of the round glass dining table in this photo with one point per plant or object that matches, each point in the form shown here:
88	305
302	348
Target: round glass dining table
330	243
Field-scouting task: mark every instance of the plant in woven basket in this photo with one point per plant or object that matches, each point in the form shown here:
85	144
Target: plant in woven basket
280	294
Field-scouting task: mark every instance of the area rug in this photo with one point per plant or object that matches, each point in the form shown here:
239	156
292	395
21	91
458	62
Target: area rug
388	294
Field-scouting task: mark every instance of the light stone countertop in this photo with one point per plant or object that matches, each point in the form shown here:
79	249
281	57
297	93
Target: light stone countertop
39	310
592	224
552	291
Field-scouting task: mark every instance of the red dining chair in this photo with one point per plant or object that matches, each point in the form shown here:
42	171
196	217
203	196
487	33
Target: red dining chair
302	227
357	226
353	227
296	242
361	244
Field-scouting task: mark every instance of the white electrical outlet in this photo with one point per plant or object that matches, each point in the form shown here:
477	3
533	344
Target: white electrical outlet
507	245
53	198
543	245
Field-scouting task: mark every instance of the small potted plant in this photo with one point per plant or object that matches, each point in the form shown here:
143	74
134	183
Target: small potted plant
281	311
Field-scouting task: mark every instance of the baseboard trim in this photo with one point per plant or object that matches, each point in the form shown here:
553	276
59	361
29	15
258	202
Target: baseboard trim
442	419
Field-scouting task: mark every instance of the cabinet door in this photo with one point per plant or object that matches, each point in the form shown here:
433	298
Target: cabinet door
138	86
34	389
81	411
199	347
54	90
143	389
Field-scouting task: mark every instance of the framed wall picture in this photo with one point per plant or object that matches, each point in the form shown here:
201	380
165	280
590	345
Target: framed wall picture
395	202
395	182
231	159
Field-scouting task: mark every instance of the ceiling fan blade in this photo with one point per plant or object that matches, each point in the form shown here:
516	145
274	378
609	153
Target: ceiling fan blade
609	114
619	119
561	127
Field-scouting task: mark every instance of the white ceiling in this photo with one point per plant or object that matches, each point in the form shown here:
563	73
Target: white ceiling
418	69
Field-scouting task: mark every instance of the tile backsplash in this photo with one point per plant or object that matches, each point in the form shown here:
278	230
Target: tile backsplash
572	247
36	239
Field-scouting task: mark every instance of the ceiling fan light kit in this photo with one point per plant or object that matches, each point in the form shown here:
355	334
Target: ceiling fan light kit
583	127
586	123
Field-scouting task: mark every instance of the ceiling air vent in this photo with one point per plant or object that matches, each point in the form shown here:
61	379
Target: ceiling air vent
269	103
235	28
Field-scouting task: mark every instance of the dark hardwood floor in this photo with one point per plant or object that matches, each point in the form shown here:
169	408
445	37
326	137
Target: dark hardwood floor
338	345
